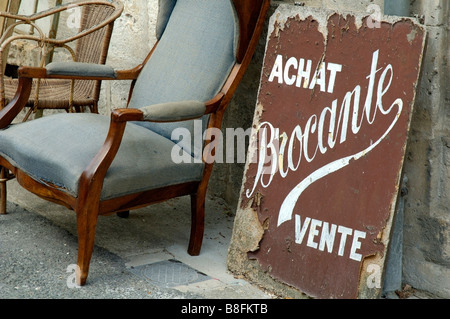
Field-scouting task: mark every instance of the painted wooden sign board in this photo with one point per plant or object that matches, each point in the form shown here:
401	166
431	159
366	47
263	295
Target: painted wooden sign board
327	148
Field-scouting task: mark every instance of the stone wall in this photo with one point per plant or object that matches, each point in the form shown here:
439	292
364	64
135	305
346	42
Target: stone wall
426	242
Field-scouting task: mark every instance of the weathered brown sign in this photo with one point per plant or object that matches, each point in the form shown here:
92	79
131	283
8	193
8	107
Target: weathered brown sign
327	149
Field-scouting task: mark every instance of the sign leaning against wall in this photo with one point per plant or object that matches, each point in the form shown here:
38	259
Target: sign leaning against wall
326	150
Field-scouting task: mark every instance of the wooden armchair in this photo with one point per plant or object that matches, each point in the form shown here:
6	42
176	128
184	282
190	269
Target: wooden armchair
89	45
124	161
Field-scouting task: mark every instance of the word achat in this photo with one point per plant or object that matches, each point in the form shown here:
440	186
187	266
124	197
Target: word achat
285	75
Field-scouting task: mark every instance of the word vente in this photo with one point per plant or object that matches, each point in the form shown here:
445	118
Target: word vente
328	236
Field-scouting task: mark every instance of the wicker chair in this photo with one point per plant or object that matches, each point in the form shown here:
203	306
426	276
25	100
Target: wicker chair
124	161
91	46
10	7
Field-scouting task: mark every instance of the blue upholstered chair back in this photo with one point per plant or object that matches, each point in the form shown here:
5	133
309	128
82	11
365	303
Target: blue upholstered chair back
194	56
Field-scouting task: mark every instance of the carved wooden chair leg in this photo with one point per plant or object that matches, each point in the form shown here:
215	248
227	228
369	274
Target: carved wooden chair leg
86	224
197	223
3	180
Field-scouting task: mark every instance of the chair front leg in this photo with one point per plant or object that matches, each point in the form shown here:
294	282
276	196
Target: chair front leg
3	180
90	187
86	225
197	223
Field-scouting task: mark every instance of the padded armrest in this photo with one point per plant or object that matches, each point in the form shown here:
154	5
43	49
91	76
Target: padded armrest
174	111
80	69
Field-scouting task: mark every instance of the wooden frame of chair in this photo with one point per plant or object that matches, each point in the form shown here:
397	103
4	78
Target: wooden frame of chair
88	205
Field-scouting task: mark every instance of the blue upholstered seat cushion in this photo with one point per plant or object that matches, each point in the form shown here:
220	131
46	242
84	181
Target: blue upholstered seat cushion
56	149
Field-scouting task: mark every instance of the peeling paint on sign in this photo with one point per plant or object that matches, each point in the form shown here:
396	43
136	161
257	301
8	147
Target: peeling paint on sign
327	149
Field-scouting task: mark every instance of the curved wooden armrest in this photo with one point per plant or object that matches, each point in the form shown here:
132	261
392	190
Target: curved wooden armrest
41	73
174	111
10	111
124	115
213	105
180	111
92	177
26	74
